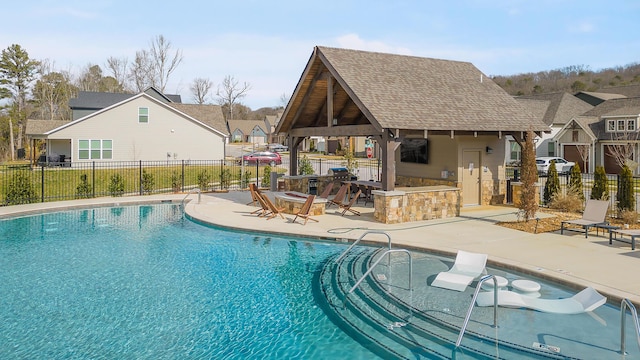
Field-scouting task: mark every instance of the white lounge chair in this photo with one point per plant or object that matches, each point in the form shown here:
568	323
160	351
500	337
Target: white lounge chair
594	214
586	300
467	267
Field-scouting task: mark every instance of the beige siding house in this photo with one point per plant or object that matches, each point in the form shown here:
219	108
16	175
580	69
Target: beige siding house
140	128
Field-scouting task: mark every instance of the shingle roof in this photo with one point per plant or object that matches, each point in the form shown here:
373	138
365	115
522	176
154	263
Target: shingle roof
210	115
536	107
100	100
614	107
408	92
246	126
39	127
562	107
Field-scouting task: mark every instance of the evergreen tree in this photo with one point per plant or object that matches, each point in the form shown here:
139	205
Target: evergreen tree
626	196
552	186
529	177
575	181
600	189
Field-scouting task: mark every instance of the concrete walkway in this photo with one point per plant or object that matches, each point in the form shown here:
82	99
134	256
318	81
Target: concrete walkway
570	258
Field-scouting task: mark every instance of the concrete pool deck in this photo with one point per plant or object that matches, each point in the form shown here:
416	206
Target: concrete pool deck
570	258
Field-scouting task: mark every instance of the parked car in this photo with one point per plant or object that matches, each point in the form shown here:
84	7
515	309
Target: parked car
562	166
278	147
262	157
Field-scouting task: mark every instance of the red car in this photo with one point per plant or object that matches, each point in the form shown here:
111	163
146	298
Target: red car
262	157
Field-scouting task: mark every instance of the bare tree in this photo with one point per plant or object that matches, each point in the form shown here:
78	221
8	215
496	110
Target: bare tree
52	92
118	68
230	91
141	72
623	151
162	61
584	151
200	88
284	100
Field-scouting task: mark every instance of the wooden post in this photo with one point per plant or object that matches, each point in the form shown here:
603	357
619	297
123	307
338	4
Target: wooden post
388	145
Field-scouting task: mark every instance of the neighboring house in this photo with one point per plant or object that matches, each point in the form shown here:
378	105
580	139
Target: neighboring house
555	110
88	102
251	131
270	122
140	127
436	122
609	128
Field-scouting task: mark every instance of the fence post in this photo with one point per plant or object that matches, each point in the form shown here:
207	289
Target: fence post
93	178
320	166
182	175
42	183
140	176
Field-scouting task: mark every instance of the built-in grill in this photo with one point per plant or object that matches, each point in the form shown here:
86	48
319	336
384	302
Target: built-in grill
339	174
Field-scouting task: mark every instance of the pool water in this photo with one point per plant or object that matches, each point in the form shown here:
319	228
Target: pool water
141	282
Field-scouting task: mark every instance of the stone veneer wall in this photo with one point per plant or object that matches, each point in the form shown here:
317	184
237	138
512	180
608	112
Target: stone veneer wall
294	207
300	183
493	191
409	181
394	207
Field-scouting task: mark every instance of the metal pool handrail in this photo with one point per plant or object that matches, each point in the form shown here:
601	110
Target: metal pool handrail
189	193
626	303
344	253
473	304
388	252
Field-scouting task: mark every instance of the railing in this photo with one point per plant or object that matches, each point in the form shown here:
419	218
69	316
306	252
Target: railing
473	304
189	193
387	252
344	253
626	303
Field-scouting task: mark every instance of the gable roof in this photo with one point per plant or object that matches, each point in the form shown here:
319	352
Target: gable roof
91	100
538	108
171	107
596	98
562	107
392	91
589	124
36	127
210	115
616	107
246	126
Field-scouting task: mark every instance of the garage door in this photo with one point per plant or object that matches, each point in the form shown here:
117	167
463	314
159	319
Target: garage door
571	153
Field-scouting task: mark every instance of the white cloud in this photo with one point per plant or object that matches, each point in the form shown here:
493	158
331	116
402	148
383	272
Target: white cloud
582	27
354	41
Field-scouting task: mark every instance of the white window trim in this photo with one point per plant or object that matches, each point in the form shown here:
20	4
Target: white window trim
148	114
102	149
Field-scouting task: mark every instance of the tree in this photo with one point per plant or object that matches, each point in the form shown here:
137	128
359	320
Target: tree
118	68
52	92
626	196
230	91
163	63
552	186
200	88
529	177
623	151
584	151
575	182
600	189
17	72
141	73
91	79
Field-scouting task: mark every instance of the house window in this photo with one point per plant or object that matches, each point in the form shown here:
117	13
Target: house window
143	115
611	125
574	136
551	150
515	151
631	125
621	126
95	149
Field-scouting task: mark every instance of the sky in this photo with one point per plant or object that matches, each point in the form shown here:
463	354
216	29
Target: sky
268	43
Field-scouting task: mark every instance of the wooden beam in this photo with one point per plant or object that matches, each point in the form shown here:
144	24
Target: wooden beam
329	101
307	95
347	130
388	146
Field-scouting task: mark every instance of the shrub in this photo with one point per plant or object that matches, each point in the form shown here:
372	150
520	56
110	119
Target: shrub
116	185
575	181
203	178
266	176
305	167
84	190
628	216
176	182
351	163
20	190
571	202
626	197
552	186
600	189
225	178
247	178
147	183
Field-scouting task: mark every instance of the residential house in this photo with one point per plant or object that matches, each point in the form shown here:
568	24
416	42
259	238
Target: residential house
604	135
88	102
554	109
436	122
250	131
140	127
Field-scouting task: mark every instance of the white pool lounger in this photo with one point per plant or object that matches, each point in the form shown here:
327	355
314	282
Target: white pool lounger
467	267
586	300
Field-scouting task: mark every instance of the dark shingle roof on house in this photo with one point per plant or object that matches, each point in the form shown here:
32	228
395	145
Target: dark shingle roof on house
562	106
99	100
408	92
615	107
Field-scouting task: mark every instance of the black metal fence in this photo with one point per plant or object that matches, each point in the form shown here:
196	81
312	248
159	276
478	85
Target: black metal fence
24	183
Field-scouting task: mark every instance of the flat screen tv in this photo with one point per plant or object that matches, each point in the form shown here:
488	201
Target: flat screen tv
414	151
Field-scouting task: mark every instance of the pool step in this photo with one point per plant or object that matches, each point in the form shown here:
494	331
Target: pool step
389	326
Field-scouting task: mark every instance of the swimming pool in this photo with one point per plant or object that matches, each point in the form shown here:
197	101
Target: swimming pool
142	282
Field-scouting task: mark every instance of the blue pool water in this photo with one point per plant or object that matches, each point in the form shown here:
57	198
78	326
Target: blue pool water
141	282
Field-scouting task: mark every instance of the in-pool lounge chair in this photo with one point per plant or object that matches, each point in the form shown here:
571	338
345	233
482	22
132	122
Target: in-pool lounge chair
467	267
586	300
594	214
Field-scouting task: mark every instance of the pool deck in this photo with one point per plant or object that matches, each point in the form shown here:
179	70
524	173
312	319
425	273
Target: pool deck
570	258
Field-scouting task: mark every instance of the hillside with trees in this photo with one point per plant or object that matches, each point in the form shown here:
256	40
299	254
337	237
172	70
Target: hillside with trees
571	79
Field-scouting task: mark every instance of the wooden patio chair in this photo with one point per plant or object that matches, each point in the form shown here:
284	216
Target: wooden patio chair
347	207
338	198
264	209
273	210
254	200
304	211
327	191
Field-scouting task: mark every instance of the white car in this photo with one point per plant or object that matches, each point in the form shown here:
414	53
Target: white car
562	166
278	147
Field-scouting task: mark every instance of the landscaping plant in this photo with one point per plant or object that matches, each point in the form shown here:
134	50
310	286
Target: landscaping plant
600	189
84	190
203	180
575	182
305	167
20	190
147	183
626	197
116	185
552	186
266	176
